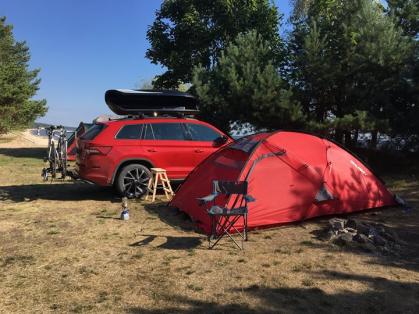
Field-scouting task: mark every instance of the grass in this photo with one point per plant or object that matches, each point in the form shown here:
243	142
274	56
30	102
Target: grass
63	249
307	282
22	260
195	288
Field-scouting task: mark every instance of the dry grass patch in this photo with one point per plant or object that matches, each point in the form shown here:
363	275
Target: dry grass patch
63	249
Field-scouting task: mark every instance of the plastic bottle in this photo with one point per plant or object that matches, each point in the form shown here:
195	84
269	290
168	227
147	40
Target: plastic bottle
125	212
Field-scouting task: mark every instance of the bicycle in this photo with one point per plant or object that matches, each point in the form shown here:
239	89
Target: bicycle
57	153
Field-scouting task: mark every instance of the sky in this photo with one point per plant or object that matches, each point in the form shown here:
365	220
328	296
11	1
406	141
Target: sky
85	47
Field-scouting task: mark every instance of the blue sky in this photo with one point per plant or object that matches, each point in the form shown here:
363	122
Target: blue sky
84	48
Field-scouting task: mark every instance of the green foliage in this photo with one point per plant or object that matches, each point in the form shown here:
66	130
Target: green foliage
406	13
406	97
244	86
348	66
348	59
149	84
300	8
18	84
188	33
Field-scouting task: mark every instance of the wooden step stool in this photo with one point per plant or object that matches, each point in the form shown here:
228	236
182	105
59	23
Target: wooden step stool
159	177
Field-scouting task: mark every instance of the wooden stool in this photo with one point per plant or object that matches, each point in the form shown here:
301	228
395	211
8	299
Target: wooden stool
153	183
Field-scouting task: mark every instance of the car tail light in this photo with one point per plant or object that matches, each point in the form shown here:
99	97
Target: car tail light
98	150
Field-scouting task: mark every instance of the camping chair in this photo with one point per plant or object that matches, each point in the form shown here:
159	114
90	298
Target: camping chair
223	219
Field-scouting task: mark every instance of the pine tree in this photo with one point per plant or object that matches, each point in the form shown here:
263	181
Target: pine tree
18	84
348	57
406	97
245	87
406	13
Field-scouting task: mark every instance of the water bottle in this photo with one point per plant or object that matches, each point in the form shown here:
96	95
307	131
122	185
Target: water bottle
124	213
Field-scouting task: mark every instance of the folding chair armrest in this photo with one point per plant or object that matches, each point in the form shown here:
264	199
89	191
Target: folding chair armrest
249	198
206	199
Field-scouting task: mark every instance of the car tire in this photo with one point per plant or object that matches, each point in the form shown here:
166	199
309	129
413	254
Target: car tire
132	181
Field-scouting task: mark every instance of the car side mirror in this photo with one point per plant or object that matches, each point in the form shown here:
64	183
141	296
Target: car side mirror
220	140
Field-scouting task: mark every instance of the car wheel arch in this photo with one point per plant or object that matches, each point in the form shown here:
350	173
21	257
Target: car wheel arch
145	162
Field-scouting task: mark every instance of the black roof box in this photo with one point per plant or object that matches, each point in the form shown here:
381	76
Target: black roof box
136	102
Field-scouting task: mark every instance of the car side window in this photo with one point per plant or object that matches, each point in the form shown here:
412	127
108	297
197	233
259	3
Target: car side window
148	132
130	132
201	132
165	131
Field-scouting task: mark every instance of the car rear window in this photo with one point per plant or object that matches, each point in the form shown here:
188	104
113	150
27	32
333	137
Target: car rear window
164	131
200	132
92	132
130	132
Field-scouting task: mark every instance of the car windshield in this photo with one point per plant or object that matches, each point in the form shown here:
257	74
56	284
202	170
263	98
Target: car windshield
200	132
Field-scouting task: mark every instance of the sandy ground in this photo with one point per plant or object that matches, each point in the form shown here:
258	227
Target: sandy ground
63	249
25	138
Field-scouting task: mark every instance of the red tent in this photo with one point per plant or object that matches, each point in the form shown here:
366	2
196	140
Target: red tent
293	176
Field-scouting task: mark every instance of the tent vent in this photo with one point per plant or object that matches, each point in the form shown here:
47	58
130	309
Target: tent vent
323	195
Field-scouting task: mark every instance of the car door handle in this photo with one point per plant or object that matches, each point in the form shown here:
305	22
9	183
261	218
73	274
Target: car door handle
199	151
151	150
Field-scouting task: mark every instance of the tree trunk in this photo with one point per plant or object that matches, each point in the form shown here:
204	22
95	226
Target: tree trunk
374	139
348	139
339	136
355	140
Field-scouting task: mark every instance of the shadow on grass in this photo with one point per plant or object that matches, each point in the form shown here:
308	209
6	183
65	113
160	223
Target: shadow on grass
107	217
32	152
57	192
172	243
181	221
171	216
381	296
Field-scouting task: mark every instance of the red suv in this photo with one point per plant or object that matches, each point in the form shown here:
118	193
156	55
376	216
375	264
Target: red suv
120	152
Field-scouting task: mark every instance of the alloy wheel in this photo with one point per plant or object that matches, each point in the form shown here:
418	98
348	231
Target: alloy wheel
135	182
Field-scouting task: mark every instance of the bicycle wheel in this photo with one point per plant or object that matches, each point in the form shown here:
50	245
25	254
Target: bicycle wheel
53	160
47	162
44	174
63	158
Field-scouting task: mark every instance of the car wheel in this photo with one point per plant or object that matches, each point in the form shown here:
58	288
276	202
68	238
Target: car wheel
132	181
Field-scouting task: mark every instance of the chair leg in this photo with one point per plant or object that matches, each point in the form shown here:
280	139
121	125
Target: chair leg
243	233
214	236
212	233
225	231
245	227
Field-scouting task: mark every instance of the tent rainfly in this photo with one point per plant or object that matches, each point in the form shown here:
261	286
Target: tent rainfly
293	176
